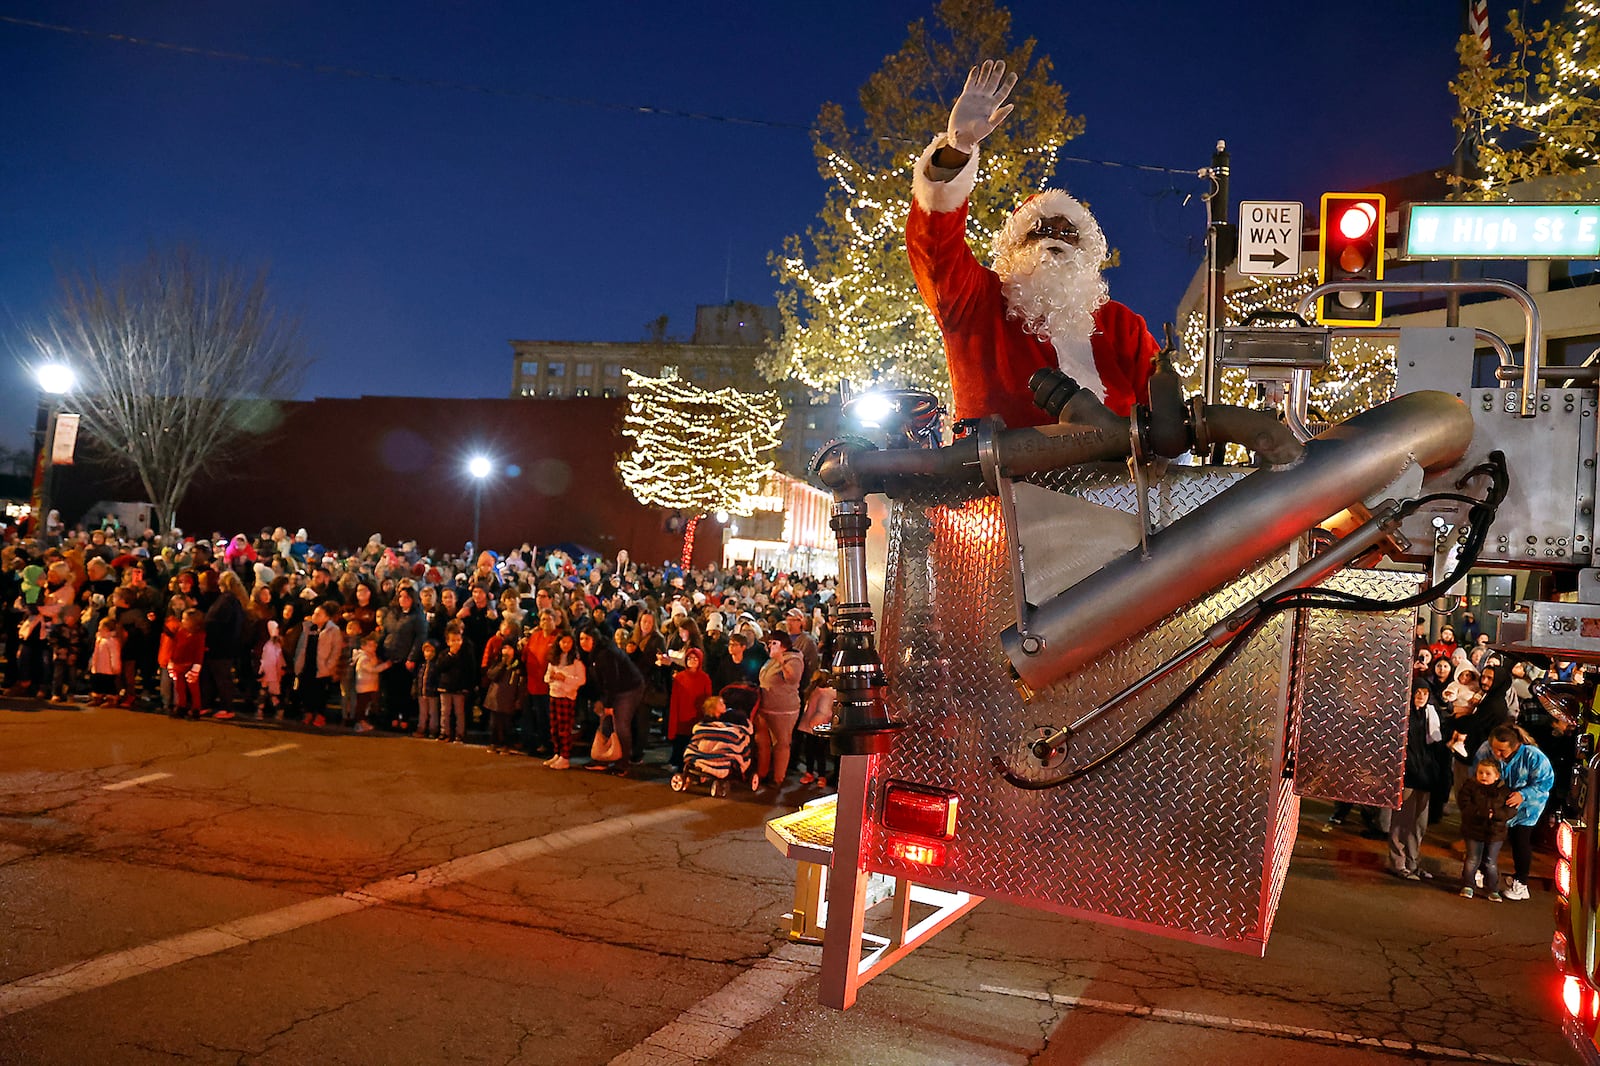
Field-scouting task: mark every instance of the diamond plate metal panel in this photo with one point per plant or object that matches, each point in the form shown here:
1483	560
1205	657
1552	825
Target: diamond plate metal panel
1186	833
1352	686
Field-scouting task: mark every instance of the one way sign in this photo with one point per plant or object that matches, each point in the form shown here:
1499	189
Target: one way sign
1269	237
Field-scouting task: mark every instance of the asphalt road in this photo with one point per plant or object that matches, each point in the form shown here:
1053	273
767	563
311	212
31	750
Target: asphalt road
283	896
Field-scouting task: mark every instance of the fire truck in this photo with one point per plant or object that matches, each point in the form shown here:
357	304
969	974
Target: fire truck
1105	664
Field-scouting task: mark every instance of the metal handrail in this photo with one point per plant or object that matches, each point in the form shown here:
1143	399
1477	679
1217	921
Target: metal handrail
1533	338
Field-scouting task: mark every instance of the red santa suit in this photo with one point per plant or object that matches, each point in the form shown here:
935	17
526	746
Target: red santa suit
991	355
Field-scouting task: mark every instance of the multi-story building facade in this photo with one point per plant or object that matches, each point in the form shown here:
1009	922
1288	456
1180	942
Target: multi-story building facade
723	352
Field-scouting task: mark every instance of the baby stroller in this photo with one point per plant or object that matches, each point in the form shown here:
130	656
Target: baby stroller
720	751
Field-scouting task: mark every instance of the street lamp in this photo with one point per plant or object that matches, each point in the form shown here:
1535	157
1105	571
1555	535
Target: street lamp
478	466
54	380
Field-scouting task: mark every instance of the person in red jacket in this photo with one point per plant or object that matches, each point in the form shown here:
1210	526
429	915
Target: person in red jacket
1044	303
690	686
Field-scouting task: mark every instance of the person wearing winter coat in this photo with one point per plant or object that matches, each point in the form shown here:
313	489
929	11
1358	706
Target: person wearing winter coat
503	697
402	630
690	686
317	659
458	677
1529	777
1484	801
1423	764
621	692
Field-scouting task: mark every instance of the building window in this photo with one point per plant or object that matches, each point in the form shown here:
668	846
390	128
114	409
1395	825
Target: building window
530	368
555	370
585	370
613	370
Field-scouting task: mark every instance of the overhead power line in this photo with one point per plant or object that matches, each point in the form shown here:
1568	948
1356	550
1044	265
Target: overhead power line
447	85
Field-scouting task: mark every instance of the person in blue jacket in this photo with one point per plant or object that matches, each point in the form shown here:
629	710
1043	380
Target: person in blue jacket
1527	772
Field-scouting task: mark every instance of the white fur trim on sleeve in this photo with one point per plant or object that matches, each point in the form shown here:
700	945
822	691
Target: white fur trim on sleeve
934	195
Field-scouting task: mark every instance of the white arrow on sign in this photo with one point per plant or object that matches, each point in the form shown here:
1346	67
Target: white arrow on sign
1269	237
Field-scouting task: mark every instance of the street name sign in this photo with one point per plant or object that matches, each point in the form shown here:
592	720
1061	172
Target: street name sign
1501	231
1269	237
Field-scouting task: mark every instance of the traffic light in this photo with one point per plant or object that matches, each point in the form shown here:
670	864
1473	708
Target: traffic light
1352	250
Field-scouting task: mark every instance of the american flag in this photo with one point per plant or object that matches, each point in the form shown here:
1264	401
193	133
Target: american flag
1478	22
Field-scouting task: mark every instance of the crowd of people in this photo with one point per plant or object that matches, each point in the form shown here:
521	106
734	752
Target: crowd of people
1477	734
594	661
532	652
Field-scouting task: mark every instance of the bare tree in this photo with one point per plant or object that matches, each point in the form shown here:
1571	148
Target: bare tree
180	359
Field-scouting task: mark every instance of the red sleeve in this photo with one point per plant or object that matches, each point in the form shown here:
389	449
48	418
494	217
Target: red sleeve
952	281
1124	354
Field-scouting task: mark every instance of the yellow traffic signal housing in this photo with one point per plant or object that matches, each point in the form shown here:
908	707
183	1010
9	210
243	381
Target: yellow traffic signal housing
1352	234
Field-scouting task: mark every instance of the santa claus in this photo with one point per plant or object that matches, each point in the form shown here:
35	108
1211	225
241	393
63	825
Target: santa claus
1044	303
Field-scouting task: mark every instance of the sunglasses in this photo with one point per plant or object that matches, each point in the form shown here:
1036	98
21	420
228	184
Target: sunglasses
1055	228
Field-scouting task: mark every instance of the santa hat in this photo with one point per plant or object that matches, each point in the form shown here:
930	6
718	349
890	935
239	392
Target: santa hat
1051	203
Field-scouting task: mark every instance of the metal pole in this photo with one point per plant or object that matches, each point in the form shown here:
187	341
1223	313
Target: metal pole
42	468
477	503
1221	247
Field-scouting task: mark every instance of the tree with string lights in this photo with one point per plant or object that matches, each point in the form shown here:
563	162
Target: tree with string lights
850	309
694	450
1533	111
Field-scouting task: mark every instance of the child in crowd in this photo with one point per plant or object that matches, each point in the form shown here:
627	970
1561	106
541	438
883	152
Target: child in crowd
814	749
347	675
105	664
66	654
271	672
170	627
565	675
188	652
690	687
1483	799
457	677
425	690
368	668
503	698
721	746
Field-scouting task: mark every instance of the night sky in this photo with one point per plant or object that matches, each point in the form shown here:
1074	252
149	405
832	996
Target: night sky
416	230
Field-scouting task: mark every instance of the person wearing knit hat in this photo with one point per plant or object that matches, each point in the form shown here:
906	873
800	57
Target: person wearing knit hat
1044	304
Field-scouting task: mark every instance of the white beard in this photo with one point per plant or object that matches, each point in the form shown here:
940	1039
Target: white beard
1055	297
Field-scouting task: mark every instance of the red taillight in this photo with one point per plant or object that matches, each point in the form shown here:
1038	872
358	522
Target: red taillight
1564	840
927	812
1572	996
923	853
1563	878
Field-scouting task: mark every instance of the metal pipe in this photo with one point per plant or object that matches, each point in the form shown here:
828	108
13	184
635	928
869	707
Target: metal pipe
1532	338
1214	544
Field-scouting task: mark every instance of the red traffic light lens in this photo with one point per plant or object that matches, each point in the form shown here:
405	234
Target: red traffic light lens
1358	221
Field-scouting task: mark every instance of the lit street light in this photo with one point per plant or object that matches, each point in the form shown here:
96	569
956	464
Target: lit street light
54	380
479	467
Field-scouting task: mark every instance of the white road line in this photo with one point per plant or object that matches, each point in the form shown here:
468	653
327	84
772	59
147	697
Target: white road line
269	751
1247	1025
38	989
130	782
706	1029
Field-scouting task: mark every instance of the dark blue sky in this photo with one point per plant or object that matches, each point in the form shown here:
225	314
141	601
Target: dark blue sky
417	230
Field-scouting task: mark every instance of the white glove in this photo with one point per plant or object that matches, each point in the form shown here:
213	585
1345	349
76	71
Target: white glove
978	109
